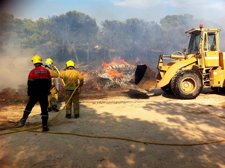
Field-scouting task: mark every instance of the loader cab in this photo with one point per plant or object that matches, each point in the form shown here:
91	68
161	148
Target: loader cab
211	48
204	44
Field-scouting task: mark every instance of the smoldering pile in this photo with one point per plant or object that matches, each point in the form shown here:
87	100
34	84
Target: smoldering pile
116	74
9	96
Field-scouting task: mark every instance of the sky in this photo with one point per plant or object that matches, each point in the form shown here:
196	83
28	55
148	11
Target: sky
150	10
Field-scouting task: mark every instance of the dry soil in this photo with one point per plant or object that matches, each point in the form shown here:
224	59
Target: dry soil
160	119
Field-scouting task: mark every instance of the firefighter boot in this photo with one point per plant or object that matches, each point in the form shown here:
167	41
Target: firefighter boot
54	108
76	115
45	124
49	109
22	121
68	116
68	113
45	128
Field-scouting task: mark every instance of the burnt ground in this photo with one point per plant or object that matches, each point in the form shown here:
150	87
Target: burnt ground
159	118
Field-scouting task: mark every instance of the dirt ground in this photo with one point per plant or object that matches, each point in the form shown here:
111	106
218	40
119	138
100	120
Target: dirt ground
161	119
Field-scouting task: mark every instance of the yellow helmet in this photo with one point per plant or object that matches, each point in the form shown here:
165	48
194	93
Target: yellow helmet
36	59
70	63
49	61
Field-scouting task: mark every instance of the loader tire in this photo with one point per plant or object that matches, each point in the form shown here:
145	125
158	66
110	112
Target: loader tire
167	89
186	85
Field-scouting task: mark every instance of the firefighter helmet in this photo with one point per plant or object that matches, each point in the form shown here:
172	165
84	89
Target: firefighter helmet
36	59
70	63
49	61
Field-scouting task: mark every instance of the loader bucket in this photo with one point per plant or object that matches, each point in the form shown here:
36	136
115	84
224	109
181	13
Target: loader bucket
143	77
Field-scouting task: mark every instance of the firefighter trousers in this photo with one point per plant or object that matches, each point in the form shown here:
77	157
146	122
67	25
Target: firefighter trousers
53	98
43	100
73	101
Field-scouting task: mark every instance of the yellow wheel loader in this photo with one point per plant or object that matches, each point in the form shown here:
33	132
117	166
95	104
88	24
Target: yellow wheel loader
184	74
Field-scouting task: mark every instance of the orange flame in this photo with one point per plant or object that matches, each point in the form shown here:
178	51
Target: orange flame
113	72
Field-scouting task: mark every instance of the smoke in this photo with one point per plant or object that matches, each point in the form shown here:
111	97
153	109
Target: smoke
14	68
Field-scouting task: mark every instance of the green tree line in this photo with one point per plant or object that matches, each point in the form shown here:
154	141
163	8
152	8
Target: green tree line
77	36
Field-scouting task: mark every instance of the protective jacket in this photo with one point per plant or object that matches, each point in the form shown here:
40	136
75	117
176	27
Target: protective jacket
54	75
71	78
39	81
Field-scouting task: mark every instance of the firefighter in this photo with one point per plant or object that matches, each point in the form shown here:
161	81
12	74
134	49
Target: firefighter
53	96
39	84
73	79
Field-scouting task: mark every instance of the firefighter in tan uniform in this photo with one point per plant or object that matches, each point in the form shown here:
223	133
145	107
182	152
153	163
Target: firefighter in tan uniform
72	79
53	96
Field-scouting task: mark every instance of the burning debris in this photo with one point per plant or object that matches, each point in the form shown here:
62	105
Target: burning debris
117	73
111	76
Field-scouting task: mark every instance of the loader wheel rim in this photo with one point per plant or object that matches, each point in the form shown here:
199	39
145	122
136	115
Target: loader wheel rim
188	85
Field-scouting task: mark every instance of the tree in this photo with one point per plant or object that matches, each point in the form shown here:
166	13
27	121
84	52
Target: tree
72	30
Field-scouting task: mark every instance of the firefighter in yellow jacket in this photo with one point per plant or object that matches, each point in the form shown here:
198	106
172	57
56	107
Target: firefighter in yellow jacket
53	96
72	79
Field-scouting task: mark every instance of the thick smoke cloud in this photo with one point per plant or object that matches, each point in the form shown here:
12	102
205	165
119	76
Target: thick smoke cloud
14	68
14	61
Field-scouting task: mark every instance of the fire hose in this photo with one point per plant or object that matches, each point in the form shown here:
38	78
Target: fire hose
159	143
15	130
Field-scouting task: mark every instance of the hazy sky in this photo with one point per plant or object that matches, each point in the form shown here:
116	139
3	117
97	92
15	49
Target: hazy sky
151	10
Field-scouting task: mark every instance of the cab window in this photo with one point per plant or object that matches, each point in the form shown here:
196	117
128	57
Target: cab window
194	42
211	42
